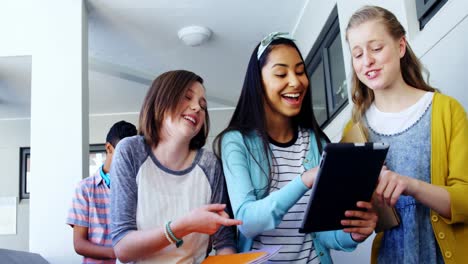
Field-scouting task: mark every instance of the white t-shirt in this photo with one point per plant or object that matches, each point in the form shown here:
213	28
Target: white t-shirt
393	123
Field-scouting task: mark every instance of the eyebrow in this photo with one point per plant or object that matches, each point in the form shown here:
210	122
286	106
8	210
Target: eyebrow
286	65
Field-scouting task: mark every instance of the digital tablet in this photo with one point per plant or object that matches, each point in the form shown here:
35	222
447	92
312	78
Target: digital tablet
348	173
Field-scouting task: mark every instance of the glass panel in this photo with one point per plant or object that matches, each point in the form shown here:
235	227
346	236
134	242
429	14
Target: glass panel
317	84
97	157
337	73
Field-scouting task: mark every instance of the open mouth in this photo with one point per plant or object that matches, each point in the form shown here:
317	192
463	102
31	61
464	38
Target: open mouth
371	74
292	97
191	119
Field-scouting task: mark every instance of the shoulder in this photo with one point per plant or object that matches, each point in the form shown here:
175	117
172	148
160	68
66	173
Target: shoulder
444	104
236	138
85	187
131	149
232	136
445	100
87	182
207	157
130	143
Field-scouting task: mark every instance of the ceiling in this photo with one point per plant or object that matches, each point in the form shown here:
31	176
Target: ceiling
132	42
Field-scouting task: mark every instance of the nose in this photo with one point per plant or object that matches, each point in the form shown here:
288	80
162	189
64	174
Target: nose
293	80
195	106
368	59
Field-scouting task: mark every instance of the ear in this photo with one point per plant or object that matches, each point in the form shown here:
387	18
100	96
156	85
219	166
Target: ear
109	149
402	46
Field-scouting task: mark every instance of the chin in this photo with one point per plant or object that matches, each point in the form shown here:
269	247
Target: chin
292	113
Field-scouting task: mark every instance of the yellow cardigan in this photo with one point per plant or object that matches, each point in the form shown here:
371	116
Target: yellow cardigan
449	170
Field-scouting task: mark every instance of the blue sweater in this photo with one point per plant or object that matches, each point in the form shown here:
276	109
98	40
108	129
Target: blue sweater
247	184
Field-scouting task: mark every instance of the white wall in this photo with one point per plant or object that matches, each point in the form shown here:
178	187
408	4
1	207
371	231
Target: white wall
442	46
14	134
59	123
15	21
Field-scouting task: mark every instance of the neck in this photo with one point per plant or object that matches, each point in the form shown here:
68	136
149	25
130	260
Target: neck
280	129
397	97
174	154
107	165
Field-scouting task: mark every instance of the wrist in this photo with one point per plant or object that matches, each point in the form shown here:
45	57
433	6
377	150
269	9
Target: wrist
181	227
413	186
171	237
306	179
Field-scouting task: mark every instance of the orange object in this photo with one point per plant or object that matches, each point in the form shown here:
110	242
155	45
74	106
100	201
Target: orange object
235	258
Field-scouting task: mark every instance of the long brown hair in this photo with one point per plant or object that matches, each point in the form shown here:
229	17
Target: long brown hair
410	66
162	98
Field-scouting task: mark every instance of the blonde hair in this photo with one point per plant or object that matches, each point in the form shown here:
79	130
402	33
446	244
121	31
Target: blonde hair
410	66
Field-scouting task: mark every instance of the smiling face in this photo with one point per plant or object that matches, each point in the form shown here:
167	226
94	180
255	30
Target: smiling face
189	116
376	55
285	83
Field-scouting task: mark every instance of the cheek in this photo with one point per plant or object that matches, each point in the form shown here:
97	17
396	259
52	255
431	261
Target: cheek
269	91
356	65
304	81
202	119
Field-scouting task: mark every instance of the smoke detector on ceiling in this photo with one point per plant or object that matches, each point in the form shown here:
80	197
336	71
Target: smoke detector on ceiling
194	35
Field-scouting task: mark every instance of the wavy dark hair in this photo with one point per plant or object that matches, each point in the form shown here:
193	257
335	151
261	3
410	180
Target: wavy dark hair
411	67
167	90
249	115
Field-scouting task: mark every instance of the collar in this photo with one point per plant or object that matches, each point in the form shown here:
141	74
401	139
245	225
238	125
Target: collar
104	176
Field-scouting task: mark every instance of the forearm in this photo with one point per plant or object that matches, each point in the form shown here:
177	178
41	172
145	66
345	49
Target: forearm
140	244
88	249
265	214
432	196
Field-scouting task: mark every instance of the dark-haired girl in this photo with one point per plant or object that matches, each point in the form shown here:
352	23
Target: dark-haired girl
270	153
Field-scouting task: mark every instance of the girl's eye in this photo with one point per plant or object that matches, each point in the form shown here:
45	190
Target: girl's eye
280	75
300	73
188	97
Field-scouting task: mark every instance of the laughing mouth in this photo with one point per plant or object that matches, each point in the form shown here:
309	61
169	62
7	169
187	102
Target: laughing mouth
293	96
191	119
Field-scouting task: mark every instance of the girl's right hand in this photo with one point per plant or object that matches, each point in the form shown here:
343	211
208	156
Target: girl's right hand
308	177
208	219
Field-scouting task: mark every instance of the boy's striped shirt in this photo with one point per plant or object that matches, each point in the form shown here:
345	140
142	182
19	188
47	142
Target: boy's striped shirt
90	208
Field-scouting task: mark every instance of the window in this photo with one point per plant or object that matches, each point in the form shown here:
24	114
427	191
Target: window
25	172
325	66
426	9
97	156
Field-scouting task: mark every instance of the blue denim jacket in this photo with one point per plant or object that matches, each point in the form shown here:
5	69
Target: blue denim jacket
244	177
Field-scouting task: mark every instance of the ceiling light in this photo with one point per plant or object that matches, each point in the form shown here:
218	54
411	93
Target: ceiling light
194	35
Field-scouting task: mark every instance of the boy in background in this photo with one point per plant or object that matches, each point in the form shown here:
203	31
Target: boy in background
89	215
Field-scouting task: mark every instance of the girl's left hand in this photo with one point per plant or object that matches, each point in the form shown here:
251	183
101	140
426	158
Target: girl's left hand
364	223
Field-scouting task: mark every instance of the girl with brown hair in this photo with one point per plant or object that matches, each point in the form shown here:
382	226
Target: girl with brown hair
168	196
